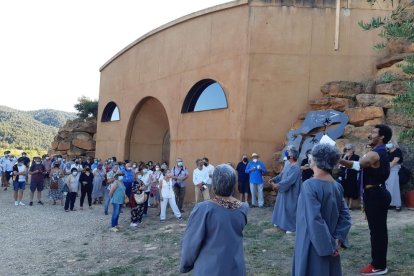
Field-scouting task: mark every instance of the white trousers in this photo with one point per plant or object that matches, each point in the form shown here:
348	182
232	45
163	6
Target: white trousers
253	188
205	193
173	207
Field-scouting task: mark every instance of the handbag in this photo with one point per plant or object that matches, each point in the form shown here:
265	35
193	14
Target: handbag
54	185
126	199
140	198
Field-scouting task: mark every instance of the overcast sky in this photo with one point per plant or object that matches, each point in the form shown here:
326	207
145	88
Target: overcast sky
51	50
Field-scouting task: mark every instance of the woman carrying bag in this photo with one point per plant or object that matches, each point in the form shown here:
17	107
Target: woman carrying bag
137	201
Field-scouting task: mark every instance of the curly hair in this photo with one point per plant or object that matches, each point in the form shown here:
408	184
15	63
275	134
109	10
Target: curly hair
325	156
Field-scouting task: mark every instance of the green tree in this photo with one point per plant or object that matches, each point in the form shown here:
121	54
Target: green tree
86	107
399	26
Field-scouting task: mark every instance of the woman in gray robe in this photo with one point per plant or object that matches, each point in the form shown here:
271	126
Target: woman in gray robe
213	241
288	185
323	219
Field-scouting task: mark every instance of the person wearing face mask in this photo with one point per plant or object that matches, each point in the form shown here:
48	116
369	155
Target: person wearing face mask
6	163
78	166
393	182
128	178
210	170
288	185
86	180
164	167
168	197
256	169
47	163
37	171
179	174
117	194
350	181
56	184
93	165
155	179
134	167
72	184
137	209
243	179
110	178
19	181
146	179
98	188
305	167
26	160
200	178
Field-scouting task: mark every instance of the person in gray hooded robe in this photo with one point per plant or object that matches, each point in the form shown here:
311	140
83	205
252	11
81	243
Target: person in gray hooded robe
322	218
213	240
288	184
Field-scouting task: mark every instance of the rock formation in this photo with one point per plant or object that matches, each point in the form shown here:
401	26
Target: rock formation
75	138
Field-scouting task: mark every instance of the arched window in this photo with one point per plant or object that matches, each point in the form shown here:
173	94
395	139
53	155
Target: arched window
206	94
110	113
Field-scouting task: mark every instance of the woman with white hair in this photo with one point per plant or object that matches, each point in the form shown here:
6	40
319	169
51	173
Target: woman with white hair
288	185
322	218
393	182
213	241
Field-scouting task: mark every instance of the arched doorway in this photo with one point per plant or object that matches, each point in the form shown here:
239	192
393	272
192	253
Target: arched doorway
150	132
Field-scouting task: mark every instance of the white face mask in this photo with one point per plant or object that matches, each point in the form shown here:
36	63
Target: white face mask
75	173
157	169
120	178
389	146
134	166
255	160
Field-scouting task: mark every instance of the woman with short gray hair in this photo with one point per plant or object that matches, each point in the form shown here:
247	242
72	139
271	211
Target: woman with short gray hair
216	226
322	219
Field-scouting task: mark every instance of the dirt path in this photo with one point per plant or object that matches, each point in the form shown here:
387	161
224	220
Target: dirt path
44	240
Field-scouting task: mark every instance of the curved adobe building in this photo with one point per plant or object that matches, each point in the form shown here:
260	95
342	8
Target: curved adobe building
254	64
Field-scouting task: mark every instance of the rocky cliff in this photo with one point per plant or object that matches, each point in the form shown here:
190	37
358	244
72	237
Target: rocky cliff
75	138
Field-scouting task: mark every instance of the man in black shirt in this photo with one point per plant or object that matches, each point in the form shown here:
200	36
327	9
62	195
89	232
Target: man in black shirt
375	171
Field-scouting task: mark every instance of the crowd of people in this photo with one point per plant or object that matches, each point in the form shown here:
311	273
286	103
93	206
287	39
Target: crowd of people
310	202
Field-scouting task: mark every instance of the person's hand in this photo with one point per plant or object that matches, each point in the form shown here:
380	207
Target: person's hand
270	181
275	186
161	198
253	169
337	248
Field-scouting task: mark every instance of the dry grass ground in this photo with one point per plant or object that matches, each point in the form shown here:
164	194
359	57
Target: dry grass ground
44	240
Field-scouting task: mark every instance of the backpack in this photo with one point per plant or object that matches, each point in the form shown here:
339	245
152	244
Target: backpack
404	175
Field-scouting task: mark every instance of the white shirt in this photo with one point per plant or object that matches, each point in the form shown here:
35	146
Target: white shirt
146	179
8	164
200	176
21	168
167	189
210	170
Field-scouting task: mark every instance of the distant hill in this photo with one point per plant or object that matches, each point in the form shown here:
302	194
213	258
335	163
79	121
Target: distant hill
30	129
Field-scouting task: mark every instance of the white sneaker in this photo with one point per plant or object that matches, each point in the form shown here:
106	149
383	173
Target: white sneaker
113	229
16	203
133	224
289	232
21	203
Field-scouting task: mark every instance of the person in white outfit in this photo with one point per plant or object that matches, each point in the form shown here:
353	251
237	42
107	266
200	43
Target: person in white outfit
200	179
168	196
210	170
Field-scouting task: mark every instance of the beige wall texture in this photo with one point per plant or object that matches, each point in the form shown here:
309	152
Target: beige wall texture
270	57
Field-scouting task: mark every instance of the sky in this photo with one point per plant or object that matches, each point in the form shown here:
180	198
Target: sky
51	50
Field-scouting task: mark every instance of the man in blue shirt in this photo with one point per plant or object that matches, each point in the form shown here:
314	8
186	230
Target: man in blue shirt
256	169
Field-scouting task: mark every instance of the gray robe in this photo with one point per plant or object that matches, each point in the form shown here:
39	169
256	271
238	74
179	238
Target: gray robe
213	241
322	217
284	212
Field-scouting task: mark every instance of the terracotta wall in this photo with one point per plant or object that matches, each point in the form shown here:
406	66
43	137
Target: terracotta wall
270	60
